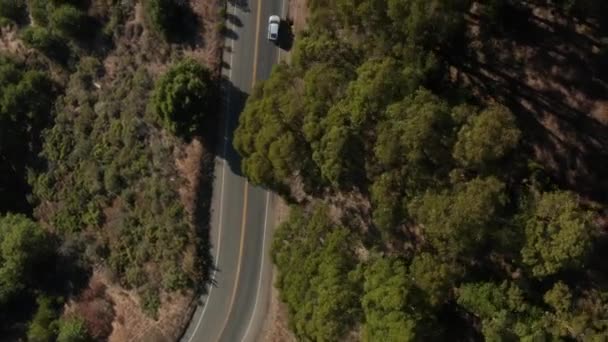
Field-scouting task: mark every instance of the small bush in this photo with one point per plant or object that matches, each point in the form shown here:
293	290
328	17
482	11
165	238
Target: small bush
150	302
39	11
70	22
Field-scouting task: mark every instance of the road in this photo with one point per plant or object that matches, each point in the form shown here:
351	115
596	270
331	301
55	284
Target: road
237	300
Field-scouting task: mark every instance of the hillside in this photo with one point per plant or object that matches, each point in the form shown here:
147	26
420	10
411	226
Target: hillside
105	174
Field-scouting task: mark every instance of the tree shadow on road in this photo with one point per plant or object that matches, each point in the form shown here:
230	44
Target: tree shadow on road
243	5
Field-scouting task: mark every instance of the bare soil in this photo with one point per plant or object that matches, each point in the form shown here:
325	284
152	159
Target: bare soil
550	69
298	13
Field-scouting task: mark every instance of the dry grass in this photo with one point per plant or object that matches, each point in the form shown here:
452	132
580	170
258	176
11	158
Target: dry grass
208	46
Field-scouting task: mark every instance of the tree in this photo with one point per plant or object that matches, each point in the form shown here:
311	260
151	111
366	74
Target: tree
388	306
162	16
42	328
23	246
72	329
434	277
269	136
503	310
487	137
321	298
46	42
558	234
70	22
183	96
415	136
386	199
576	315
427	22
457	222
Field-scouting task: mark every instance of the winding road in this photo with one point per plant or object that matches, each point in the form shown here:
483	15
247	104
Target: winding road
237	300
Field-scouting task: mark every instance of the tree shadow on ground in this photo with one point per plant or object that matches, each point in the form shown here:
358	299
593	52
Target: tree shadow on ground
547	72
190	30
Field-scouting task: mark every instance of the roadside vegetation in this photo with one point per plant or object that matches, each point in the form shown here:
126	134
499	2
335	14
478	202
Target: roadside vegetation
96	108
427	204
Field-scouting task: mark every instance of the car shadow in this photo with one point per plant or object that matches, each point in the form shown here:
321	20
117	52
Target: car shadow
286	35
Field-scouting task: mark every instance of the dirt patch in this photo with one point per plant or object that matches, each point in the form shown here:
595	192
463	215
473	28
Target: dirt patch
297	13
188	163
276	327
549	69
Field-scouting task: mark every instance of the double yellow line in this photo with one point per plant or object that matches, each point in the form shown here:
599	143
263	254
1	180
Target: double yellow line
246	189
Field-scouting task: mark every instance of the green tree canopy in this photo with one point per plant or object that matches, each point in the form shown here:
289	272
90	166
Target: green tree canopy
558	234
269	135
576	316
388	306
487	137
427	22
70	22
503	310
183	96
434	277
321	298
48	43
457	222
23	246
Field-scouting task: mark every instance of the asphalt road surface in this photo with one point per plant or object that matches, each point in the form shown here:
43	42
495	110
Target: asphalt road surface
237	299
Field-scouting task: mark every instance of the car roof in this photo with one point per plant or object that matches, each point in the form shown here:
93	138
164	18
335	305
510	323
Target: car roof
274	28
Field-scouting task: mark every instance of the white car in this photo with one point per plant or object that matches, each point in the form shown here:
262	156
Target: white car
273	27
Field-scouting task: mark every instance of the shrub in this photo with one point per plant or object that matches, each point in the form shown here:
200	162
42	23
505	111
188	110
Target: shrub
47	43
39	11
69	21
150	302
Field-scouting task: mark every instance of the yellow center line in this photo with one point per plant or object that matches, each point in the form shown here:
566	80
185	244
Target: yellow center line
245	192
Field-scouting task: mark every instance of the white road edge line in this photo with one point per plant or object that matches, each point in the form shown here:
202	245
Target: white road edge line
257	294
219	237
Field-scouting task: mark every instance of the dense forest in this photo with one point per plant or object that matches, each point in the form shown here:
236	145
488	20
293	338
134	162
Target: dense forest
445	160
98	100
